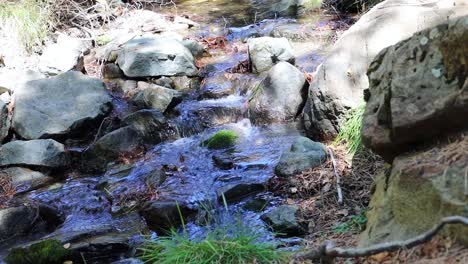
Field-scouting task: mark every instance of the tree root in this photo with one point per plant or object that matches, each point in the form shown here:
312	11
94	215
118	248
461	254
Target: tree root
327	252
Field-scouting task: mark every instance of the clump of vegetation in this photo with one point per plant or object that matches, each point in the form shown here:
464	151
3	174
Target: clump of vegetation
350	132
44	252
26	19
222	139
356	223
227	241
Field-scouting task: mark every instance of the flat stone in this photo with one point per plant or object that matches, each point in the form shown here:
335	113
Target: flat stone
41	152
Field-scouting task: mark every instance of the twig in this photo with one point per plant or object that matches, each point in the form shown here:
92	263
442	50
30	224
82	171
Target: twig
338	178
328	252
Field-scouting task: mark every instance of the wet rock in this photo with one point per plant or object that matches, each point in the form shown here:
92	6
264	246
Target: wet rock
42	152
152	126
237	192
280	96
399	115
223	161
164	82
129	261
65	55
265	52
156	56
420	190
45	251
21	220
283	220
304	154
216	86
125	140
60	105
25	180
339	82
156	97
164	215
5	121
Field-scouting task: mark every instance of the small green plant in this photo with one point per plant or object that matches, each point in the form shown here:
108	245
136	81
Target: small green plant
350	131
26	19
103	40
44	252
356	223
222	139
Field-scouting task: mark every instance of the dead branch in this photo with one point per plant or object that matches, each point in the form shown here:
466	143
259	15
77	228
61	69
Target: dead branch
327	252
337	175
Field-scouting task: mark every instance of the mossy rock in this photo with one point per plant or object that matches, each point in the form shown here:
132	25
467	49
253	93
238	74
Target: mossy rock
44	252
222	139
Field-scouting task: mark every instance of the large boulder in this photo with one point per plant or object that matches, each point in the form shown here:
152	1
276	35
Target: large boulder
339	82
280	96
59	105
304	154
421	189
152	96
417	118
41	152
399	115
265	52
65	55
156	56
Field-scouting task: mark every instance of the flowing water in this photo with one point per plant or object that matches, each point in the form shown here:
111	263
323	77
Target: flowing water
101	210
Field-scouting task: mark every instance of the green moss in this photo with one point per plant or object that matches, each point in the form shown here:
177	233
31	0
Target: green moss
44	252
222	139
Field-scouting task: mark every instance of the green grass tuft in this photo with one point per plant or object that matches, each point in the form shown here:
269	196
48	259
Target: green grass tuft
44	252
222	139
350	132
26	19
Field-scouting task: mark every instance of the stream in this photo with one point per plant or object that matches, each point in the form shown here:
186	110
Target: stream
99	212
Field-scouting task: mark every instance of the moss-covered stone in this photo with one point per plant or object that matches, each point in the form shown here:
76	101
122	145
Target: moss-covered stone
44	252
222	139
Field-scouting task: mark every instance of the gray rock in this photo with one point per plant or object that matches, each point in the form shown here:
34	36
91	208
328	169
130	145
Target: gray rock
5	121
339	82
65	55
196	48
237	192
280	96
156	56
265	52
152	125
304	154
42	152
217	86
418	90
112	71
164	215
185	84
283	220
109	147
59	105
152	96
25	180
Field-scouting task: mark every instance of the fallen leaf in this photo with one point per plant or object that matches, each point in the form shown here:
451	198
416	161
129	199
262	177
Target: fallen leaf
379	257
